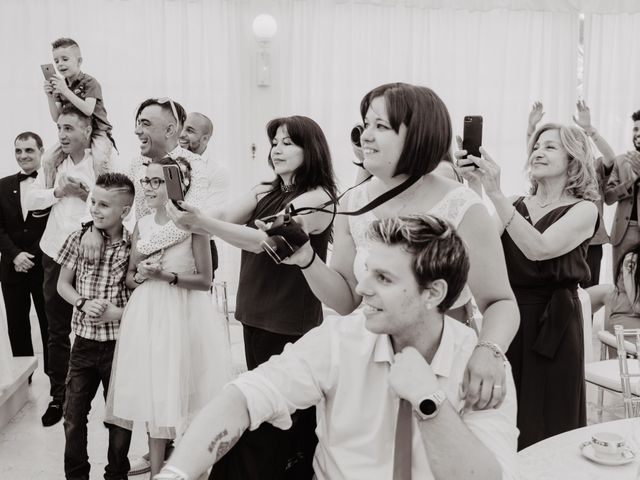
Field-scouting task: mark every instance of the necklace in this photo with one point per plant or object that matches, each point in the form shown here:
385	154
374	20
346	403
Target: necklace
287	188
545	204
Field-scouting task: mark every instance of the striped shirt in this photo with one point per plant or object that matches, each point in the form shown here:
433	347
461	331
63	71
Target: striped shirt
106	280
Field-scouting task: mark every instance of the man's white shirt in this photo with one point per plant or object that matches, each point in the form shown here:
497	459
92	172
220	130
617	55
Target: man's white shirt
67	213
343	369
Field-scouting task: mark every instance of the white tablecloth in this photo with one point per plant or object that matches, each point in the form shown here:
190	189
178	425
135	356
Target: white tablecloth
559	457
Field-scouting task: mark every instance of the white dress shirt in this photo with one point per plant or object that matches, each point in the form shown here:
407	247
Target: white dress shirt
24	188
218	182
66	212
343	369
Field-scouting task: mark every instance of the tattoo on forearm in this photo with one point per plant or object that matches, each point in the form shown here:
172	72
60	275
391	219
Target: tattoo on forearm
214	442
221	444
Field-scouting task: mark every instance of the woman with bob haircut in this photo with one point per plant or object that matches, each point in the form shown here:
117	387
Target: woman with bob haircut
274	303
407	131
545	236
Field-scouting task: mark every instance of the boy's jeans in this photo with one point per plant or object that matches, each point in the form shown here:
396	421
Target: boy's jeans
90	364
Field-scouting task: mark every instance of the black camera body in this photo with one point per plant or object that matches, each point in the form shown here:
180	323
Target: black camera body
285	237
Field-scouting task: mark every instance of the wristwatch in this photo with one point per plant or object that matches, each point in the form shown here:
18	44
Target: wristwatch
80	303
429	406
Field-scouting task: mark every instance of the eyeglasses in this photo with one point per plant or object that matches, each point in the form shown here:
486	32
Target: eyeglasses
154	182
164	100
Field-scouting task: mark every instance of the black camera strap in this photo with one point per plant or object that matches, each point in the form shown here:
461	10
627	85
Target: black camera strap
379	200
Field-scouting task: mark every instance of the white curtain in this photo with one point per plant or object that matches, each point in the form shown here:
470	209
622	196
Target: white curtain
493	63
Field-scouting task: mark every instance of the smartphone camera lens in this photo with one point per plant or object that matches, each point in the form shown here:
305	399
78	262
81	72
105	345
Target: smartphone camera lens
356	132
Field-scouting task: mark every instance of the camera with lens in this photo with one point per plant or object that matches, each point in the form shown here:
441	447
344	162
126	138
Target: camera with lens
356	132
285	236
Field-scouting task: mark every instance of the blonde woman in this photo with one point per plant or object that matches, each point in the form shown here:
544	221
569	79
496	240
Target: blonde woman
545	237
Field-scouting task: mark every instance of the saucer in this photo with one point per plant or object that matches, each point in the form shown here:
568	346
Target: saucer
626	455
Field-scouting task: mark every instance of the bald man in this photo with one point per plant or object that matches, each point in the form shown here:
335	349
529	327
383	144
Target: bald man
195	136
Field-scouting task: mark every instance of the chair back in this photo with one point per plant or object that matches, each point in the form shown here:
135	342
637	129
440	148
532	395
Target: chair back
629	374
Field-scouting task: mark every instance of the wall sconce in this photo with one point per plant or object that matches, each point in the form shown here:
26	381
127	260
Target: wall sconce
264	28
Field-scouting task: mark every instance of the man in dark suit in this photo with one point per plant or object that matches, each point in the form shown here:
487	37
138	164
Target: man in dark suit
21	272
622	187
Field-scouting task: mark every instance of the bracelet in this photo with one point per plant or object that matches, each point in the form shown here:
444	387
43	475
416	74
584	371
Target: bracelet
494	347
313	259
175	278
506	225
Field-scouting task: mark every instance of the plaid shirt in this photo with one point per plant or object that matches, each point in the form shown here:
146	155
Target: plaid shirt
105	280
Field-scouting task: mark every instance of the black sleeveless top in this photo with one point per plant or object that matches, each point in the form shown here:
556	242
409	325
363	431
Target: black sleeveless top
276	297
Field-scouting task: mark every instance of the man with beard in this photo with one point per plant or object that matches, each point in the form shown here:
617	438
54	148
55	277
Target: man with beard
623	188
195	136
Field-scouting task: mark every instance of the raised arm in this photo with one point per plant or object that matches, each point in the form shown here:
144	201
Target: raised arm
583	120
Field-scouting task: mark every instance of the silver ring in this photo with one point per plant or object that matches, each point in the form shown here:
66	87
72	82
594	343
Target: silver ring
497	386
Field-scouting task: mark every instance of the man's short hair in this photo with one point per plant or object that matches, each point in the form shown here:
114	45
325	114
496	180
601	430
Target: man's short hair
69	109
208	124
27	135
437	250
64	42
636	116
166	106
117	181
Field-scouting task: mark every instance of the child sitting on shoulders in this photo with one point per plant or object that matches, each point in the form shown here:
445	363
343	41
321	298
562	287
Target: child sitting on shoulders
83	92
99	294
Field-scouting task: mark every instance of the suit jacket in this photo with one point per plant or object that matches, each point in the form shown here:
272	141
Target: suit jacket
16	233
621	188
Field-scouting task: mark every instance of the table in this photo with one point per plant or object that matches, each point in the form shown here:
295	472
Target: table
559	457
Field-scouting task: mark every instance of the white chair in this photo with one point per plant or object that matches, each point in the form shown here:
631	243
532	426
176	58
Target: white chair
607	374
629	369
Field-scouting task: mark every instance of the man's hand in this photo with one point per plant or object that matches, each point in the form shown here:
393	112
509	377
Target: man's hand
411	377
76	188
59	86
22	262
95	308
92	246
484	384
583	118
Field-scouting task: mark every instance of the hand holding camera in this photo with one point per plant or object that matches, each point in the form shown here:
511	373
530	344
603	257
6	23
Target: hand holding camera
286	236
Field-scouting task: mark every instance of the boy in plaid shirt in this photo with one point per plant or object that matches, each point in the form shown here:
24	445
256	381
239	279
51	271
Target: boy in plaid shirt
99	294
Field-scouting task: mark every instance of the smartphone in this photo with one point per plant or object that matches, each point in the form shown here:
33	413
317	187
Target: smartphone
472	136
48	71
173	181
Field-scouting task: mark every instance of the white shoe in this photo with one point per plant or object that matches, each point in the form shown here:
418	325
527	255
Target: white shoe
140	466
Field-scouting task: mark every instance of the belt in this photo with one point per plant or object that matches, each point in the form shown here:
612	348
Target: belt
562	304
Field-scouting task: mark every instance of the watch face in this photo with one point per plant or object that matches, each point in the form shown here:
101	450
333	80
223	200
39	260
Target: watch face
428	407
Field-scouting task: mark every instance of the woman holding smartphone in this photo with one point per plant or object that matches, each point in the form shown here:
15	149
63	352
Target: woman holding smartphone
407	131
274	303
545	236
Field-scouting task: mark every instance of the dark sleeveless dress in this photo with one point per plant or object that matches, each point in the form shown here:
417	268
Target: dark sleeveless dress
276	306
547	353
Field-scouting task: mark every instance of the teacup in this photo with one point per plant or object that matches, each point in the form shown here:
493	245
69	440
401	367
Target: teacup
607	444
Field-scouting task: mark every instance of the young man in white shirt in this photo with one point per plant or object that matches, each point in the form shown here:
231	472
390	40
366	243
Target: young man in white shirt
75	177
385	382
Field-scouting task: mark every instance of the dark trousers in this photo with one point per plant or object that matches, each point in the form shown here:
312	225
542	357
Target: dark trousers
90	365
59	317
17	301
594	259
214	259
269	453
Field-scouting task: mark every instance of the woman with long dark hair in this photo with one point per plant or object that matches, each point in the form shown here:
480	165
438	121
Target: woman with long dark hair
274	303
